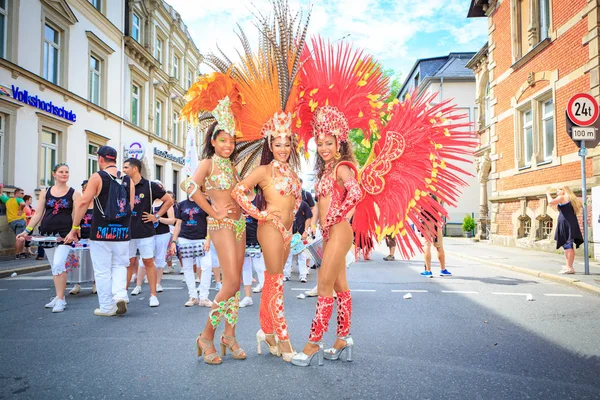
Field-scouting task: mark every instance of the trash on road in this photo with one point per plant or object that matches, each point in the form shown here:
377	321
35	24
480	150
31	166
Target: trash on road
530	297
13	274
407	296
300	296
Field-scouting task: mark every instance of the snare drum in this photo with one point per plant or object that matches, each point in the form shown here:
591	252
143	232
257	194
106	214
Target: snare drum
191	250
253	251
79	264
315	251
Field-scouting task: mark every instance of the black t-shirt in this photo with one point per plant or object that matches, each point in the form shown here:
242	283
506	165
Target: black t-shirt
308	198
252	227
86	223
142	203
302	215
193	220
58	214
161	228
102	230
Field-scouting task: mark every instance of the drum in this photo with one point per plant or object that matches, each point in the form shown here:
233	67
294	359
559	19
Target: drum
191	250
253	251
315	251
297	245
79	264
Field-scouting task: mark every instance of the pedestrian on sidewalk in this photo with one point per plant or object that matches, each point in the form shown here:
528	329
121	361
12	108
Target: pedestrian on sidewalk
436	241
16	217
568	233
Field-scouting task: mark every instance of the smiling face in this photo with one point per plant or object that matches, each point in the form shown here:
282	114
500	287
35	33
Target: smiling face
281	148
224	144
61	174
327	147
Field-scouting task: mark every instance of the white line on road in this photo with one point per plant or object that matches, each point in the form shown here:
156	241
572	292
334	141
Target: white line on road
2	290
410	291
363	290
34	290
460	291
299	289
510	294
172	288
562	295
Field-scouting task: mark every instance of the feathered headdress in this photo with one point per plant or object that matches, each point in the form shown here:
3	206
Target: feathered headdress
267	79
215	96
342	89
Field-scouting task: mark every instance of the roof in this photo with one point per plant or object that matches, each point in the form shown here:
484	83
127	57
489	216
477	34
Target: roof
452	66
476	8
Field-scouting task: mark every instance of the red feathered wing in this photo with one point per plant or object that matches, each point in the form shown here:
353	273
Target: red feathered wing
414	157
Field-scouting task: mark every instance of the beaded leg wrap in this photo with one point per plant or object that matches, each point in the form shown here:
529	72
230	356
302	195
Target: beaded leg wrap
276	307
232	309
321	320
268	292
344	313
216	314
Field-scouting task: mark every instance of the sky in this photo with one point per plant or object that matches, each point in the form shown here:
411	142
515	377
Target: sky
397	33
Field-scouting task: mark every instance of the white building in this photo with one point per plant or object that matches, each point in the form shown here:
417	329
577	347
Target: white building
78	74
451	79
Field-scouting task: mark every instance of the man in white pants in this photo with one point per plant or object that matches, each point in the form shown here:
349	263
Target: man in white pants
207	263
109	241
301	225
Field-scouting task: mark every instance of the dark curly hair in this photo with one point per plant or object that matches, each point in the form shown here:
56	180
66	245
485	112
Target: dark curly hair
347	154
209	150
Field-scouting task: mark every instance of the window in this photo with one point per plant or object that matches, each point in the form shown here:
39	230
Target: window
545	228
524	227
158	119
544	18
158	172
97	4
175	129
158	50
190	79
49	155
92	164
95	75
176	67
530	25
488	105
136	27
548	129
527	137
175	183
3	27
416	81
51	53
135	104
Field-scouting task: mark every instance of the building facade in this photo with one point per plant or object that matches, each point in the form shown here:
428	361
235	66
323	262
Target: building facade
79	74
539	54
449	77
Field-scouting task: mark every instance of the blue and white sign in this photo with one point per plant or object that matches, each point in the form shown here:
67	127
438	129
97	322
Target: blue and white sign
135	150
24	97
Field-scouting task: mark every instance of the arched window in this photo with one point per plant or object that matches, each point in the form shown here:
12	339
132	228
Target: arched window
487	113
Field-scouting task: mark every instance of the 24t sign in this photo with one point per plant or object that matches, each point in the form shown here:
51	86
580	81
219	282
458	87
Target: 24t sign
582	109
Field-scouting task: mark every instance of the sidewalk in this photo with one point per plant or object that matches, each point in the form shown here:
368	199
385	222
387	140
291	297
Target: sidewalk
8	265
536	263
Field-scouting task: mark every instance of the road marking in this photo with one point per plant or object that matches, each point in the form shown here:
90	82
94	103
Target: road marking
460	291
363	290
510	294
562	295
299	289
172	288
2	290
410	291
34	290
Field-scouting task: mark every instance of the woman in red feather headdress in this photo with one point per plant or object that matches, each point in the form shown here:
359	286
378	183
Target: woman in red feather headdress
342	88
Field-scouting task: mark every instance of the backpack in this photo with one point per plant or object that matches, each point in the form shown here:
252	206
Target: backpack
117	209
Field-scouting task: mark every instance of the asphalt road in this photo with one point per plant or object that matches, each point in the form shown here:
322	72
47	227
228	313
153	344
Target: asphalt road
471	336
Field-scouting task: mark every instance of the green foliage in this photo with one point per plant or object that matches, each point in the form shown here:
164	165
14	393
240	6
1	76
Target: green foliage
468	224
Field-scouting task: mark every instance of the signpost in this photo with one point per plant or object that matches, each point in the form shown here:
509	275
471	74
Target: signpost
582	114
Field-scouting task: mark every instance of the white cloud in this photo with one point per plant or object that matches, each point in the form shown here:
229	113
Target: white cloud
383	28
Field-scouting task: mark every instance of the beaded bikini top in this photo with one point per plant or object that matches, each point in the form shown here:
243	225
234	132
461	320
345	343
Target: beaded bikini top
286	184
223	181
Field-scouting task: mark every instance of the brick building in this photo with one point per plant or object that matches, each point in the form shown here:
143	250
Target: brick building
539	54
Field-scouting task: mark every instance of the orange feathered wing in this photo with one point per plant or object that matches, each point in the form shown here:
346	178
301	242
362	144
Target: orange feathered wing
204	95
414	157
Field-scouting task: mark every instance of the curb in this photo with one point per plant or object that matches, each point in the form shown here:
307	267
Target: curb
24	270
563	280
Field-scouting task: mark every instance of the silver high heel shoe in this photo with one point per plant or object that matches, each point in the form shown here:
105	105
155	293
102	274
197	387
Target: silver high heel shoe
303	360
334	354
262	337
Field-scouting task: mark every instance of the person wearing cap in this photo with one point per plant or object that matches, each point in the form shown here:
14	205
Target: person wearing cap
162	238
143	219
109	241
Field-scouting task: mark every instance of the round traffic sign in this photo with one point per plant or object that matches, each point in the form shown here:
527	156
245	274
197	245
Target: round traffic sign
582	109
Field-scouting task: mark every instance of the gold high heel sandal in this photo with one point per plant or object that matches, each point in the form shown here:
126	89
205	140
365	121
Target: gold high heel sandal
213	358
287	357
238	354
262	337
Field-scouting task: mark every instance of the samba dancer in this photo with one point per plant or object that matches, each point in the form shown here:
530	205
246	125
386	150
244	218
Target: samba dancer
56	214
